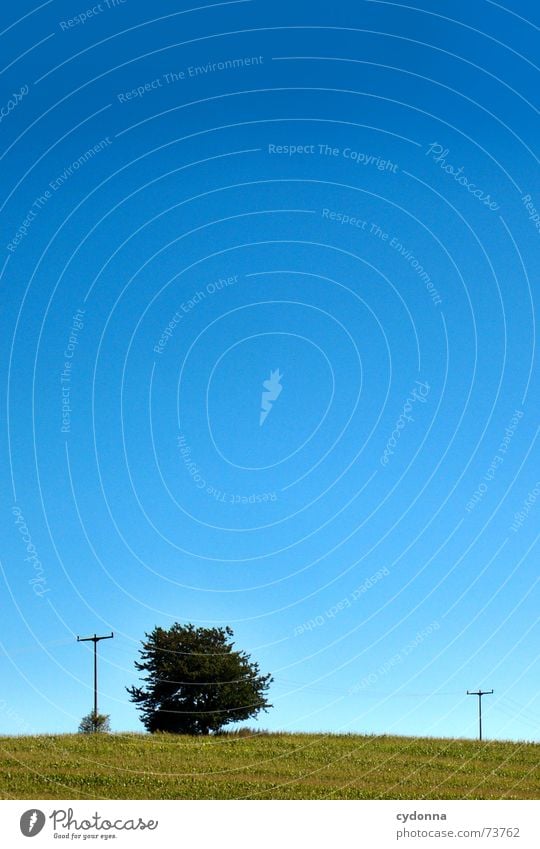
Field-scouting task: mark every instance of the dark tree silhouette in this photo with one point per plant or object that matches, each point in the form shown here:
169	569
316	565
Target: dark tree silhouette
195	681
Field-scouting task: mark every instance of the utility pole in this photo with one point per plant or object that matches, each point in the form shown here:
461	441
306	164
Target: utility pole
479	693
95	639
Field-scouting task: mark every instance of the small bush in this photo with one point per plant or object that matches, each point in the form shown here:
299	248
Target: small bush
95	723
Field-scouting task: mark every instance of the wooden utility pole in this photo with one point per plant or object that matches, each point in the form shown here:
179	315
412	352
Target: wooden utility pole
479	693
95	639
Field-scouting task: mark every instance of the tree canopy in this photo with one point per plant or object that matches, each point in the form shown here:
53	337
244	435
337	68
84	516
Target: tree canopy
195	681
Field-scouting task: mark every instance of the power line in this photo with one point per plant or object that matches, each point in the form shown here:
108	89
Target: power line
367	691
9	652
510	714
523	709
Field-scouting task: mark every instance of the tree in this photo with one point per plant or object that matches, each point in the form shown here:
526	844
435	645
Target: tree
195	681
94	723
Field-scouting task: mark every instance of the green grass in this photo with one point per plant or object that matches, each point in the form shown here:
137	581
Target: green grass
265	766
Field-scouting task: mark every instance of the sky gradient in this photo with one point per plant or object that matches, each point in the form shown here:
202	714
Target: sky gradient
338	207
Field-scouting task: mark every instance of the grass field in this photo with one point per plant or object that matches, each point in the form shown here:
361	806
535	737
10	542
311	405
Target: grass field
265	766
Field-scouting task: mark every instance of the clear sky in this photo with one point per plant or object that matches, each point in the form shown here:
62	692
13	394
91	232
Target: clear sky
342	202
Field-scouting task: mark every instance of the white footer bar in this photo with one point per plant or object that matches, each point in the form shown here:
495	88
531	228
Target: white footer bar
267	824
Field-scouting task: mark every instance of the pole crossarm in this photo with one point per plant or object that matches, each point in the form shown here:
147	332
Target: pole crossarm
95	638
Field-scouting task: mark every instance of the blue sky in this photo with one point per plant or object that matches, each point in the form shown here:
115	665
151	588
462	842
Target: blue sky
194	199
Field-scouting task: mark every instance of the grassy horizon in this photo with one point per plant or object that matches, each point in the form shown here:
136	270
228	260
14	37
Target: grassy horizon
265	765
